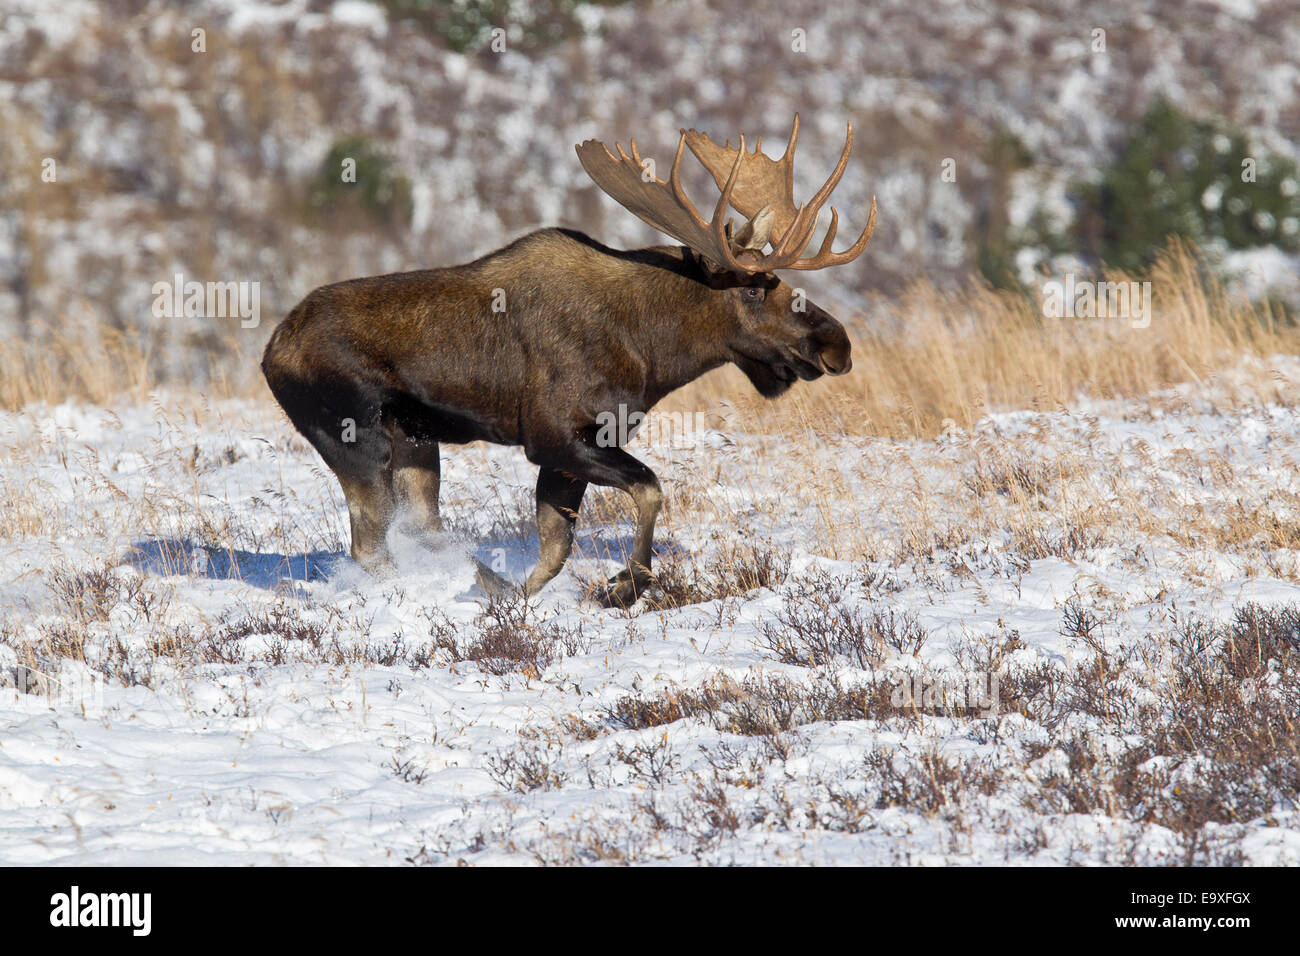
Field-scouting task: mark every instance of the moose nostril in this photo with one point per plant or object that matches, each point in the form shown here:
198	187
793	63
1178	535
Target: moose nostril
836	368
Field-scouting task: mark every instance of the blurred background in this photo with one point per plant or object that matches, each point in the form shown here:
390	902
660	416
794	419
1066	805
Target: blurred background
1003	141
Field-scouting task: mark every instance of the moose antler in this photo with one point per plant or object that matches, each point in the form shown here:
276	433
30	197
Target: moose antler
760	188
663	205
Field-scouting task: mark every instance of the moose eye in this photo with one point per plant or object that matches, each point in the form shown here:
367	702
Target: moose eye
751	293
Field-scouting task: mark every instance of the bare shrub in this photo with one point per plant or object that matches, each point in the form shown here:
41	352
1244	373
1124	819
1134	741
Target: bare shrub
280	620
650	761
681	581
507	639
758	706
928	782
527	767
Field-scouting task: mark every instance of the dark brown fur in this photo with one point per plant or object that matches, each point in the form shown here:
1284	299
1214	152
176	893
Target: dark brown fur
418	358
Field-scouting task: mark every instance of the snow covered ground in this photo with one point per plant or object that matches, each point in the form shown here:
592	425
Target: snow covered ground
194	672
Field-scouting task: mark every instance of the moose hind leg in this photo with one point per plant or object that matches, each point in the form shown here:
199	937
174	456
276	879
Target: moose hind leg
416	480
370	510
558	498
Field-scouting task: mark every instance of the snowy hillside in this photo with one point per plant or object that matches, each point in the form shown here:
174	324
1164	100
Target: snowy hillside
203	163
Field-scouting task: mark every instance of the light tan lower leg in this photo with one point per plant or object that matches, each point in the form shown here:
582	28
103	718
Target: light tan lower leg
370	510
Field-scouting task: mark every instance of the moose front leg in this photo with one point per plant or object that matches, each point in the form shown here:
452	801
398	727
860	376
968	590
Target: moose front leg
558	497
625	587
612	467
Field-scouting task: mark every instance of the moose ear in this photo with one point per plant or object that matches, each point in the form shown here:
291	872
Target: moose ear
753	235
709	265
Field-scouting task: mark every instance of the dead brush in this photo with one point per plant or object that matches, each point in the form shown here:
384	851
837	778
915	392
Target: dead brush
59	641
1038	693
1005	470
714	810
126	662
816	633
1080	622
701	821
1209	737
291	630
758	706
406	770
92	595
507	639
741	766
288	630
679	580
1255	528
632	712
90	609
1129	785
1094	777
845	809
527	767
86	595
1261	638
650	761
610	845
928	782
280	621
1235	702
68	366
821	699
1064	536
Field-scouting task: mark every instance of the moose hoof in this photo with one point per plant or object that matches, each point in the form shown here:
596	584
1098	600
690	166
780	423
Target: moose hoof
493	584
378	564
622	591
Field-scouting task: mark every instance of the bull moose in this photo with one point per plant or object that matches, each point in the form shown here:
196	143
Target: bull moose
377	372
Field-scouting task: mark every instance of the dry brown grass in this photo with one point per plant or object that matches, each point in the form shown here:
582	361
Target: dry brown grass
104	365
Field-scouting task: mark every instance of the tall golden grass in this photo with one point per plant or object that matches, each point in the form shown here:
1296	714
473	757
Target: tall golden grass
935	355
927	357
104	365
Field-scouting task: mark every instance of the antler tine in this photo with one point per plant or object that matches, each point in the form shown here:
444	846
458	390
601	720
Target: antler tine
675	181
811	209
825	257
787	160
825	248
801	229
720	215
796	237
789	154
837	174
782	245
717	229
